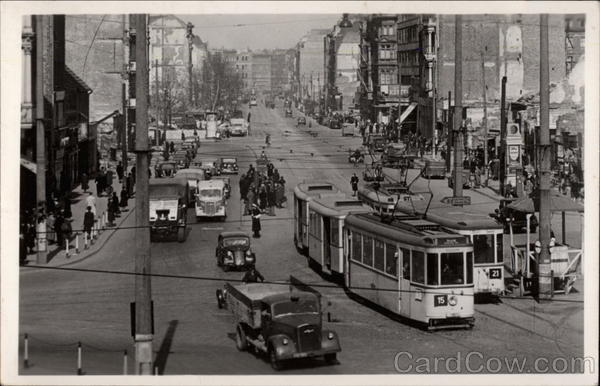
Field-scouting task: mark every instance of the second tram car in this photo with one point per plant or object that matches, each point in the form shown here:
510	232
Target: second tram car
484	232
303	193
384	198
325	225
412	267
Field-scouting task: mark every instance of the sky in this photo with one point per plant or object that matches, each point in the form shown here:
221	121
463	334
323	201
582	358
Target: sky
258	31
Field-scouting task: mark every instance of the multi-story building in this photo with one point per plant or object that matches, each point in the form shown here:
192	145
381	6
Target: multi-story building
342	53
310	64
574	40
261	72
69	146
279	70
243	66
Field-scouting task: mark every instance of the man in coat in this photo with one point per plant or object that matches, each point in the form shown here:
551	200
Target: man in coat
120	171
256	221
88	222
354	184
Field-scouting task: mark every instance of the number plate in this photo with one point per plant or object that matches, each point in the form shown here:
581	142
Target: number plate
440	300
495	273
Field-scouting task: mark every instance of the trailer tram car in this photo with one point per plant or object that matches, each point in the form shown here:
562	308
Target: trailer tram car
325	225
303	193
412	267
484	232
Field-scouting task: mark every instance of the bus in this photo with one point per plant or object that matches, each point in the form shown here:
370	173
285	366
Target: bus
486	235
412	267
325	224
303	193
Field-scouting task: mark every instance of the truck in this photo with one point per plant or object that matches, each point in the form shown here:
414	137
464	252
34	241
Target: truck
211	199
239	127
168	201
281	320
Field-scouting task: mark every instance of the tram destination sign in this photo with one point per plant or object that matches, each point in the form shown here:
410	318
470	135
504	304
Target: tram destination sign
457	201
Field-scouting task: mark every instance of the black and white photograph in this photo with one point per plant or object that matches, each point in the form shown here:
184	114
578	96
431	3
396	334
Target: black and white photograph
257	192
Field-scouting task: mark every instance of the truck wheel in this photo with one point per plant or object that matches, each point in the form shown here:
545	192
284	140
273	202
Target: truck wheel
181	234
330	358
240	339
275	364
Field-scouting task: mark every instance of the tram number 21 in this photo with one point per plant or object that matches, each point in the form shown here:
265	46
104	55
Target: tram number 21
495	273
440	300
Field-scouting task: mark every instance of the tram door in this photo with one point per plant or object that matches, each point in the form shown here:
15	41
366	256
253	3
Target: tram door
404	281
327	242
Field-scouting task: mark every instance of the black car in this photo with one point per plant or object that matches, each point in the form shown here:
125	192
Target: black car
233	251
301	121
288	112
506	216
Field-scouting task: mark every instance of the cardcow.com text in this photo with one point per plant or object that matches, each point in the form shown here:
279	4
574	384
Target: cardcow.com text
476	362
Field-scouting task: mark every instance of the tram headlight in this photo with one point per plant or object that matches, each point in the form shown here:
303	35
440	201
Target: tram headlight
285	341
452	300
330	336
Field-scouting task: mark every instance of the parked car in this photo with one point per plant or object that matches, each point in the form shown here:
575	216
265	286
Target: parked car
301	121
234	252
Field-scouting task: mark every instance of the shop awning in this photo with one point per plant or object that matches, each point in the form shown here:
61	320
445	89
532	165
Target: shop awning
32	167
407	112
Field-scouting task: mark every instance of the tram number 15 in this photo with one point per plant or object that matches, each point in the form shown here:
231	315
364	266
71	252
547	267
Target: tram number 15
440	300
495	273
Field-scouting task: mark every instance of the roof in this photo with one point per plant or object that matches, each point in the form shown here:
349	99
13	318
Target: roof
452	217
305	190
77	79
211	184
338	205
234	234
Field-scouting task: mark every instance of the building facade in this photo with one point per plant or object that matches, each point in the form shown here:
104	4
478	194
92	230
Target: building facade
261	72
310	64
574	40
243	66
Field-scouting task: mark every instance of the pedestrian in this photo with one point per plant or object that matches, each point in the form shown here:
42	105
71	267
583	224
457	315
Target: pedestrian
110	212
262	197
120	171
84	182
354	184
66	230
256	221
59	229
271	199
50	232
130	185
88	222
30	232
124	198
67	206
99	186
253	276
91	201
115	204
133	176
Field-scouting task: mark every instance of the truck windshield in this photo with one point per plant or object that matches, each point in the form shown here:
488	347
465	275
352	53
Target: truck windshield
301	306
210	193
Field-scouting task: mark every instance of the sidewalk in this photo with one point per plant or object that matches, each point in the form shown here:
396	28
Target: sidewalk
58	256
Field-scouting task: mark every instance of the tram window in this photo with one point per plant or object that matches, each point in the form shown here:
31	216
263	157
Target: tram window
432	269
483	246
405	263
418	267
368	251
356	246
391	260
499	248
452	268
335	232
379	256
469	267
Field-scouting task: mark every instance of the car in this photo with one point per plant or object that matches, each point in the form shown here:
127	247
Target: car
288	112
335	123
234	252
301	121
376	142
506	216
252	103
229	166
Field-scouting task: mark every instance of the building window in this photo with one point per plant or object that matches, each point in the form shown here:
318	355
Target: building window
387	76
387	51
386	30
569	63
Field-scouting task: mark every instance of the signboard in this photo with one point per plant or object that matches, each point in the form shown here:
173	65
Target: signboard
513	153
457	201
82	131
440	300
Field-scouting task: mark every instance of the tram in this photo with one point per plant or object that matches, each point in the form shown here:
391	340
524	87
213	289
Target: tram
484	232
383	197
325	225
412	267
303	193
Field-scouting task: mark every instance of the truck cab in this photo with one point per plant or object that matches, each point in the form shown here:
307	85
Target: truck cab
211	199
168	200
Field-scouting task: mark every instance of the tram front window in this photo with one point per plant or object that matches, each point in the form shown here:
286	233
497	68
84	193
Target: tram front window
452	268
432	268
483	246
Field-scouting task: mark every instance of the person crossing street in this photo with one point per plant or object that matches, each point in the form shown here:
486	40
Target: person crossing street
354	183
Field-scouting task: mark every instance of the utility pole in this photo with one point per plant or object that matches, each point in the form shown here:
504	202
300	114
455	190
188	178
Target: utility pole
124	102
449	133
502	151
157	90
40	148
190	35
143	316
458	129
485	120
544	266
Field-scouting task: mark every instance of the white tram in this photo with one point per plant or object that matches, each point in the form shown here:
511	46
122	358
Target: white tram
484	232
412	267
303	193
325	224
384	198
